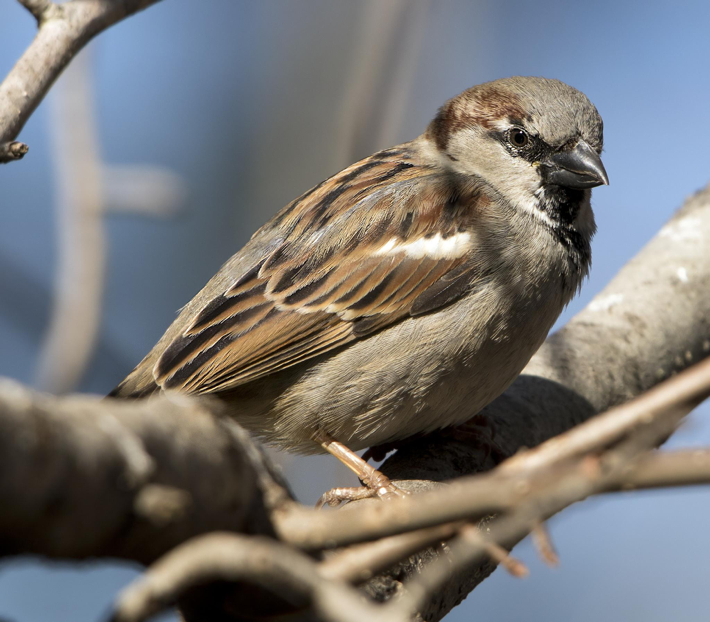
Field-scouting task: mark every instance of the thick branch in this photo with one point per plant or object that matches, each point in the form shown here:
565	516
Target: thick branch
122	479
63	30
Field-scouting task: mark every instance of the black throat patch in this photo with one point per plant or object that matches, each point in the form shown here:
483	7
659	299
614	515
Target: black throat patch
561	206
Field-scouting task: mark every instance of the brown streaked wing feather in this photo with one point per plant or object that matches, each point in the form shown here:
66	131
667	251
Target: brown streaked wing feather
448	288
433	271
302	350
323	286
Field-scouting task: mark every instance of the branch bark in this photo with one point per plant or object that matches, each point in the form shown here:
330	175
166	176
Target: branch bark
63	30
38	8
285	573
123	479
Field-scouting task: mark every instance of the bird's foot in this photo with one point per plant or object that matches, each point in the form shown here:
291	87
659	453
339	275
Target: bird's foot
375	484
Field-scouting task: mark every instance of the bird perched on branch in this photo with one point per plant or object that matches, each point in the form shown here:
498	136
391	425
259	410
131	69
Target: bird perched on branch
406	292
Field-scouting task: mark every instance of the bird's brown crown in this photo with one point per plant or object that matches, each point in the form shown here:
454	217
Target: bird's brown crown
555	110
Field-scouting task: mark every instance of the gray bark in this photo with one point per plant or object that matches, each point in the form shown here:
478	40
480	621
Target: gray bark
81	478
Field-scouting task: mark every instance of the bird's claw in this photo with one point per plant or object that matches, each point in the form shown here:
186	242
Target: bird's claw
383	489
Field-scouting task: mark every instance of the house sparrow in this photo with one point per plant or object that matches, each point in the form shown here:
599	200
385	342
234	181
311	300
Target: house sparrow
406	292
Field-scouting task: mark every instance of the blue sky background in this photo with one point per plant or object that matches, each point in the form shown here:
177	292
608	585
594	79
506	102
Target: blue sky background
241	99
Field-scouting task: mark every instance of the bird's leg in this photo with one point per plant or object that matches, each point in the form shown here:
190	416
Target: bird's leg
376	484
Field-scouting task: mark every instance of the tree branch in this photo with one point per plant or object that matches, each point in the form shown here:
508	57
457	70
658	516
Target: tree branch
72	333
12	151
567	476
40	9
662	469
63	30
122	479
529	488
285	573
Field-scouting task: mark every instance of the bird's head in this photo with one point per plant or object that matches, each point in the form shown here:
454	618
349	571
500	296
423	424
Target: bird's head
536	141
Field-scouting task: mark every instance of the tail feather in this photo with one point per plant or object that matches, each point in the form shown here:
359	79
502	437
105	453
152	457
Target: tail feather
138	384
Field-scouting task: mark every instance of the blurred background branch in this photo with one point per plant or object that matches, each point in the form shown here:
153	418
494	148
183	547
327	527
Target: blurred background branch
147	190
79	282
383	64
86	190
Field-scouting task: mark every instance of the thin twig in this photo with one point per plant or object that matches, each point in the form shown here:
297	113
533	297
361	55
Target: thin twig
259	561
361	562
72	25
467	498
686	467
473	537
12	151
543	544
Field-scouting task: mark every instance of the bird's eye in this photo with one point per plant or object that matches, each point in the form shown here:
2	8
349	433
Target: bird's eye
518	138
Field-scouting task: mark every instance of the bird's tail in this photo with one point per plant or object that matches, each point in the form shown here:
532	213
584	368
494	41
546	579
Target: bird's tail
138	384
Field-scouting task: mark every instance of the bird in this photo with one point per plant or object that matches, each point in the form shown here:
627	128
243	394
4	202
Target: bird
404	293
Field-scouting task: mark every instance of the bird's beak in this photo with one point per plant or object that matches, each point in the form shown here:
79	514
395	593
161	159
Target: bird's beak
580	167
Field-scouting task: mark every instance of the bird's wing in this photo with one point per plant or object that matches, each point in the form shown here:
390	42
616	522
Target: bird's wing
382	240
